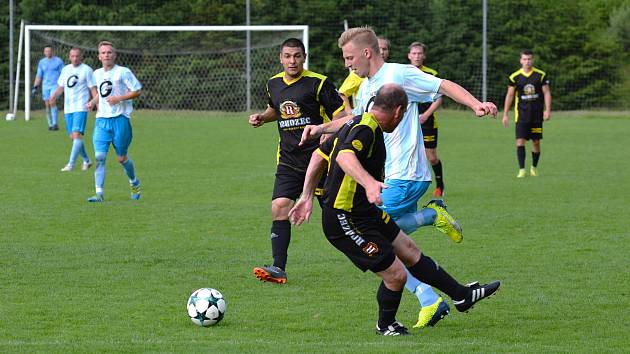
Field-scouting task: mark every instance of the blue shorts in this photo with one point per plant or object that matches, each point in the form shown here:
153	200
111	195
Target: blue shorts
75	122
115	130
47	91
401	197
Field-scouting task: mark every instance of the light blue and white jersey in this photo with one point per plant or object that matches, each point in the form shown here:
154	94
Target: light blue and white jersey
117	81
48	70
406	158
76	82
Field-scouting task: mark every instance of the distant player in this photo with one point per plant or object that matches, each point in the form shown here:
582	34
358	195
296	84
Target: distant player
532	107
117	87
353	223
351	84
48	71
77	83
297	97
428	118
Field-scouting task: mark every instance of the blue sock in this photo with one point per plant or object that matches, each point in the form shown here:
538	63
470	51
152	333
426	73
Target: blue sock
412	221
129	170
53	113
99	171
49	117
83	153
77	145
425	294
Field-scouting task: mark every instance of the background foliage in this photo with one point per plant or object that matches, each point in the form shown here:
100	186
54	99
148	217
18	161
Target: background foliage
582	45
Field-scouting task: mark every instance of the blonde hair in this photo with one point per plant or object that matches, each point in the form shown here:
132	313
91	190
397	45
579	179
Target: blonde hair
360	36
418	44
102	43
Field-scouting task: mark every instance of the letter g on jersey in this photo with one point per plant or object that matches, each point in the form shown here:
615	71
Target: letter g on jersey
72	81
106	88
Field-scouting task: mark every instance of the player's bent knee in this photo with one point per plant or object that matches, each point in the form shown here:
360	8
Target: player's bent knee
100	157
280	208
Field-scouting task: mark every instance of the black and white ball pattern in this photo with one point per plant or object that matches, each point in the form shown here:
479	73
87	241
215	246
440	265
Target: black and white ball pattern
206	307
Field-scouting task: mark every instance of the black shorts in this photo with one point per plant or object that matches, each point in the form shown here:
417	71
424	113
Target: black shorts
366	238
527	131
430	133
290	181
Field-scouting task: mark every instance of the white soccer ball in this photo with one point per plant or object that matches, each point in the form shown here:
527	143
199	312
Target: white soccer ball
206	307
10	116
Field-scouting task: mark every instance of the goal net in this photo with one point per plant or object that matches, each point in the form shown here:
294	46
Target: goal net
205	68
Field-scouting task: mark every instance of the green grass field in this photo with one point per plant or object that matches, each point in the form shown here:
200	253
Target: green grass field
115	277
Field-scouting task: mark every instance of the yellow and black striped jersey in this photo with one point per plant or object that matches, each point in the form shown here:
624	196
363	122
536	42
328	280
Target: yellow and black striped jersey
529	102
431	122
309	99
363	137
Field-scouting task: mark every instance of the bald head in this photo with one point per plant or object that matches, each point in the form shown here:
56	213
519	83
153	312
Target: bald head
390	96
390	105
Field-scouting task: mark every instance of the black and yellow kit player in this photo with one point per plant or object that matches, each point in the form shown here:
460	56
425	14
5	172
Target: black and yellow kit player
309	99
359	229
529	102
430	136
430	126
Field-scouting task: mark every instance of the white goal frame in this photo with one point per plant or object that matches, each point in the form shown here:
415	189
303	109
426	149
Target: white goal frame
29	28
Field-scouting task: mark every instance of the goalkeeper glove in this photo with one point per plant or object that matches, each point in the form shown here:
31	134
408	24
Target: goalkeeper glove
34	91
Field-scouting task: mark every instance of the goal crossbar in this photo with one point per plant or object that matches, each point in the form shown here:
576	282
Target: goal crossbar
94	28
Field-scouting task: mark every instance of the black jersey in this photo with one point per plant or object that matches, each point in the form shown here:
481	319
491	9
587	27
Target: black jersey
309	99
431	122
362	136
529	102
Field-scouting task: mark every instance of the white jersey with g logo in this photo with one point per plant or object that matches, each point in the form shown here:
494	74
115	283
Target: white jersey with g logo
117	81
76	82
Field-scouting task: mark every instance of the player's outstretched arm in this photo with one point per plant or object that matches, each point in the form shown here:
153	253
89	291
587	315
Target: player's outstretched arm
352	167
461	95
315	131
509	98
303	208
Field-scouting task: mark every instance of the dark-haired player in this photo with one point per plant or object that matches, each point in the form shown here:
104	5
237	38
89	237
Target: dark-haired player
297	97
532	106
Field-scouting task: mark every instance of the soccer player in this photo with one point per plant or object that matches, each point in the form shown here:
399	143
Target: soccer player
532	107
297	97
76	82
406	170
48	71
117	87
354	224
428	118
350	85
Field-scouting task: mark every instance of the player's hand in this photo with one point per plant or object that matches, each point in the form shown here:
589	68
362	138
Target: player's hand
373	192
505	120
256	120
301	211
310	132
486	108
423	118
34	90
112	100
546	115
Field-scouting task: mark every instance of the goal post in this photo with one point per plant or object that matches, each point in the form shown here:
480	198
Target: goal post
213	60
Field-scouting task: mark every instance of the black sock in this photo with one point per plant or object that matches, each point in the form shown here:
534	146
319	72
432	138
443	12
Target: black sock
535	157
388	302
520	154
429	272
280	238
437	170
